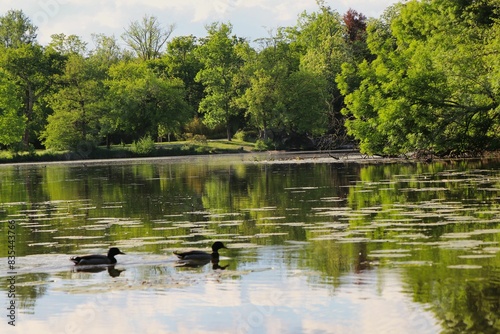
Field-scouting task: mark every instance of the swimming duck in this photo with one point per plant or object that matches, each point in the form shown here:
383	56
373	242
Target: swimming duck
97	259
198	255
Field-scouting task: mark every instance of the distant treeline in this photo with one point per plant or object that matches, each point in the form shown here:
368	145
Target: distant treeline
423	78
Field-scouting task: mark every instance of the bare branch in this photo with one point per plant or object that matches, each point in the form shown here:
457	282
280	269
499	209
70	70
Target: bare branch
147	38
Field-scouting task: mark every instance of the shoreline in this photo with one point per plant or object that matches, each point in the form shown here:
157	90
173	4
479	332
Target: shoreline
266	157
250	157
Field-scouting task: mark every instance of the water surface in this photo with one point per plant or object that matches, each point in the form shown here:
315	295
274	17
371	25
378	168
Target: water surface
314	246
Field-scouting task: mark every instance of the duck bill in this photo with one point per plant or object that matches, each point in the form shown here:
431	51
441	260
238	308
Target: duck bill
122	253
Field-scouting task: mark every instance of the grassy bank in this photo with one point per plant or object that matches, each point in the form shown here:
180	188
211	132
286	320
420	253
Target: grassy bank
178	148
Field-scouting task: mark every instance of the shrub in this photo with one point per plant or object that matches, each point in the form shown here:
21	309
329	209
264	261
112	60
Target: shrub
143	146
202	139
262	145
240	135
195	126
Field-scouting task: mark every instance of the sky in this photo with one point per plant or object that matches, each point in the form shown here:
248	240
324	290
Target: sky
250	19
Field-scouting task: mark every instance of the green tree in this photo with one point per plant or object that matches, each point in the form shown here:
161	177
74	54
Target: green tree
220	54
11	123
147	38
306	113
107	51
33	71
141	100
66	45
16	29
181	62
30	67
268	72
322	38
283	101
430	86
78	103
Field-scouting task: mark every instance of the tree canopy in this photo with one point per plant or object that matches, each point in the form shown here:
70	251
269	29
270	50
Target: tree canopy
221	58
429	87
147	37
421	79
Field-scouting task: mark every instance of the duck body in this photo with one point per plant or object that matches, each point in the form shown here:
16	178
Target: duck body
197	255
97	259
194	255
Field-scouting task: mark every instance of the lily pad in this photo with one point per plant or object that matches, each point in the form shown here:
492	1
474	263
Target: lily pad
465	266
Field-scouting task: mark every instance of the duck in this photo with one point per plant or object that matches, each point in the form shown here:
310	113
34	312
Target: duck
96	258
201	256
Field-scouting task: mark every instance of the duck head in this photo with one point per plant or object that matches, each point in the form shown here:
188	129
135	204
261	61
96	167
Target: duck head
114	251
217	245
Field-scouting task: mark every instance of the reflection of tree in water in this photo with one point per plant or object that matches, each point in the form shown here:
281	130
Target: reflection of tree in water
334	259
465	301
469	306
36	287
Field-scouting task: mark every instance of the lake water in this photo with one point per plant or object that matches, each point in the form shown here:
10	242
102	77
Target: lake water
314	246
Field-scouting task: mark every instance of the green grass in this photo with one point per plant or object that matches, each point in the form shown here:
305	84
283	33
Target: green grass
177	148
212	145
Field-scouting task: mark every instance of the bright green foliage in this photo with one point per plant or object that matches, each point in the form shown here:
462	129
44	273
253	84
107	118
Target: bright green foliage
263	101
141	100
423	77
180	62
219	54
305	104
283	99
77	106
16	30
11	123
67	45
143	146
106	54
322	38
268	72
30	67
107	51
60	132
430	87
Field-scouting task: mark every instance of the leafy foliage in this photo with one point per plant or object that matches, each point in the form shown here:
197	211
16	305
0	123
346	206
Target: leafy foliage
143	146
77	105
429	87
11	123
221	62
16	30
140	99
421	78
